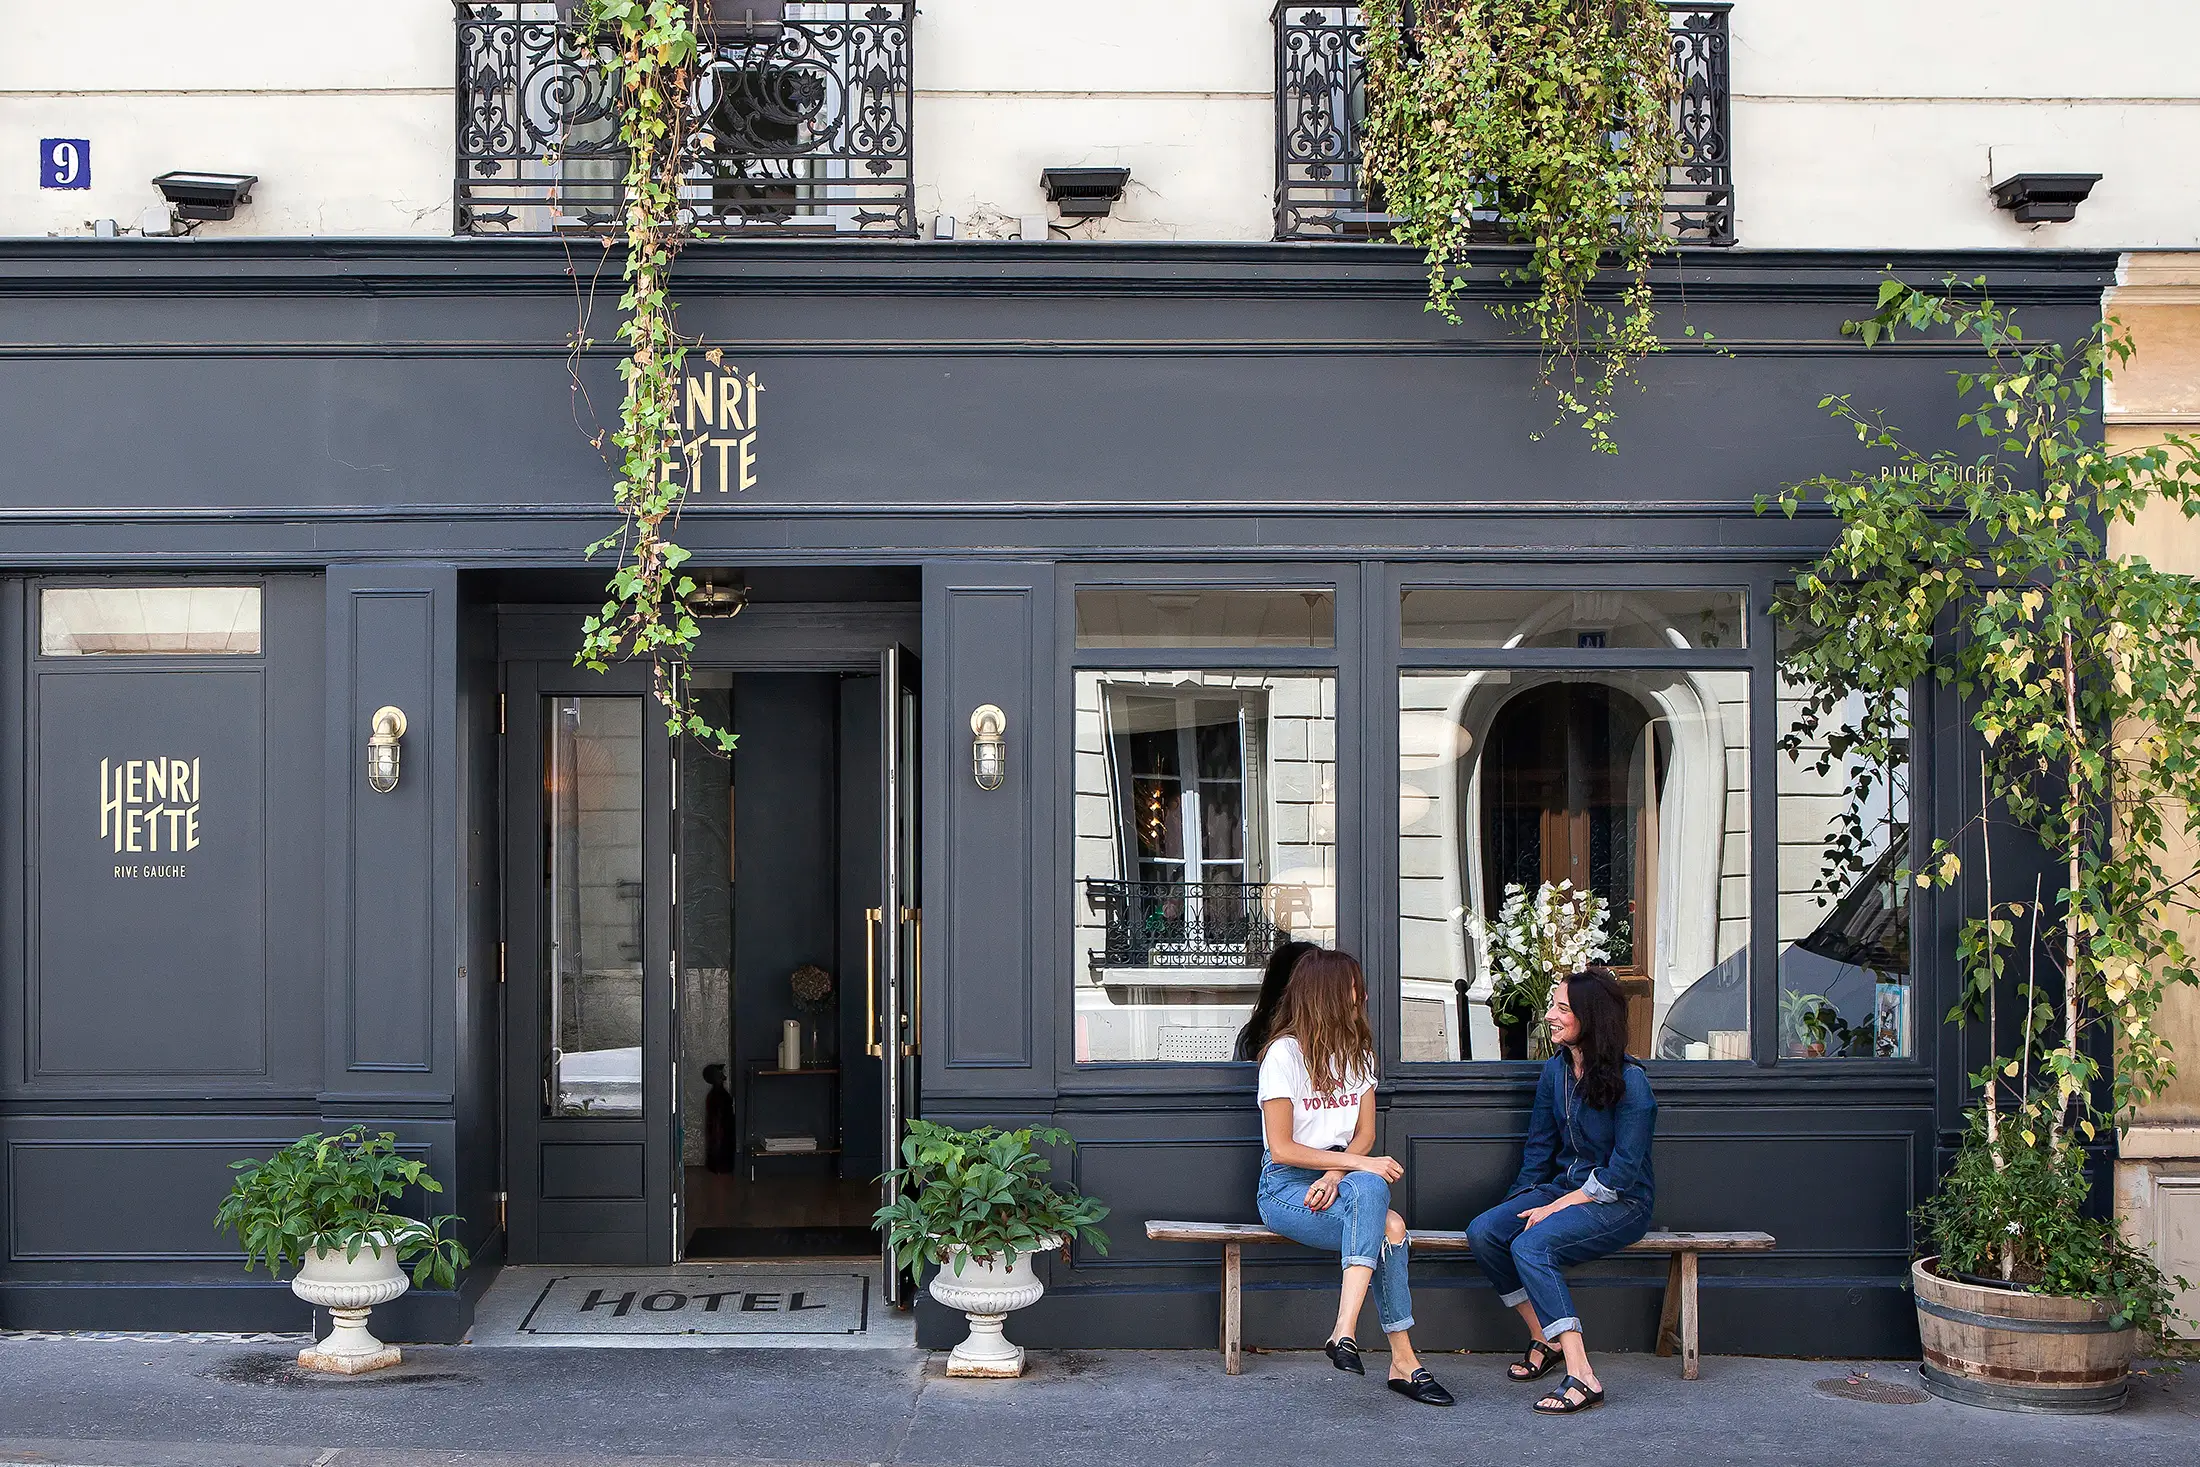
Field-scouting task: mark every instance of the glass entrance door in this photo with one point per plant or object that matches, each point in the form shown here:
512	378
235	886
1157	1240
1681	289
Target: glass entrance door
589	1012
897	926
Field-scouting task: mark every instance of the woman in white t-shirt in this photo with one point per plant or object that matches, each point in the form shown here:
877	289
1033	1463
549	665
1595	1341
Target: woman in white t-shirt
1318	1184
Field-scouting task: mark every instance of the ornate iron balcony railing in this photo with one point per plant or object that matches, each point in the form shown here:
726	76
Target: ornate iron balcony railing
1183	924
1321	101
805	123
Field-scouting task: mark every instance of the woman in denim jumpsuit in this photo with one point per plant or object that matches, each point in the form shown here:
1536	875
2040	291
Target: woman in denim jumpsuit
1319	1184
1584	1188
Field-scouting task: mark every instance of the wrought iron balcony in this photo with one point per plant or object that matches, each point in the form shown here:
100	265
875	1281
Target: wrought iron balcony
1321	102
1183	924
805	123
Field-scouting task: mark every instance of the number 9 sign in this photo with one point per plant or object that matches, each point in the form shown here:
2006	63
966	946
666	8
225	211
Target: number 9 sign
64	162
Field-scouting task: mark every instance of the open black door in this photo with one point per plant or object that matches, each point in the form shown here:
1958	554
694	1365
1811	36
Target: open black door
897	925
590	1128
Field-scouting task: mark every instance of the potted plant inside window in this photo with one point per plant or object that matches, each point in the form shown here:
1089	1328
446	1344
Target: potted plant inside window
321	1206
1535	941
975	1206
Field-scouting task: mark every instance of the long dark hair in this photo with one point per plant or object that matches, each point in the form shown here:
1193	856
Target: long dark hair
1325	1010
1253	1038
1600	1015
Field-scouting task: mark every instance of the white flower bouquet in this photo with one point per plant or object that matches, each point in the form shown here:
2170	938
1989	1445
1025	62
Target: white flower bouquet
1537	939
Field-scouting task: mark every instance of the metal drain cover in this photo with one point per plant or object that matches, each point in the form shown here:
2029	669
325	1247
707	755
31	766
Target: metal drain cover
1876	1392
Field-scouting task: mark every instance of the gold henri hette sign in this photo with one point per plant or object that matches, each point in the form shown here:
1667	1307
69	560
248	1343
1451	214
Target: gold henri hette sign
149	806
718	421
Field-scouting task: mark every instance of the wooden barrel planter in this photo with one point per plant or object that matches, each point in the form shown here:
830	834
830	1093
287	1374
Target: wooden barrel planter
2015	1351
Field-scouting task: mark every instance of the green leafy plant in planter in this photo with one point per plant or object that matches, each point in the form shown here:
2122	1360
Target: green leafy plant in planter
2073	663
1547	122
981	1195
331	1194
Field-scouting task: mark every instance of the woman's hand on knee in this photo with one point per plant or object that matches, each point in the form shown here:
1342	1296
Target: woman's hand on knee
1388	1168
1324	1191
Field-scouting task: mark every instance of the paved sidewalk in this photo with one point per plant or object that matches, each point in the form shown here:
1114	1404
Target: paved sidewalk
160	1404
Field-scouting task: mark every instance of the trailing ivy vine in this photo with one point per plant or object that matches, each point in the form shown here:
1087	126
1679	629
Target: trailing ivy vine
655	47
1552	121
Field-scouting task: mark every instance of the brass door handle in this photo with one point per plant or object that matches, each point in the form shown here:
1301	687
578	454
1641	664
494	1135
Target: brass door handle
872	917
914	916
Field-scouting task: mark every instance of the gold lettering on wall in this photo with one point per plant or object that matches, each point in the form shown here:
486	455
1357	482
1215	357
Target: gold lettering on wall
719	427
149	805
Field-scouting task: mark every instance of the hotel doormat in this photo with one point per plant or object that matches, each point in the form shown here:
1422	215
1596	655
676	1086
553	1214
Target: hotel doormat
699	1302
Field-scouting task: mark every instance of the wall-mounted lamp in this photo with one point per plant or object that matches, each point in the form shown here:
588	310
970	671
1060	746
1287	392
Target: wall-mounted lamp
989	751
202	196
2044	198
388	726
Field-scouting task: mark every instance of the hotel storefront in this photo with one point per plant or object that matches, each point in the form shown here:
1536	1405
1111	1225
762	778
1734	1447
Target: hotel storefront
1293	628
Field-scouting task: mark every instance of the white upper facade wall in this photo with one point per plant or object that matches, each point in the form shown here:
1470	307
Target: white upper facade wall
1870	124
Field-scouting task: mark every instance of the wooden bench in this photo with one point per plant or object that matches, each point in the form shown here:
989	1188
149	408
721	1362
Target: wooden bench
1678	1322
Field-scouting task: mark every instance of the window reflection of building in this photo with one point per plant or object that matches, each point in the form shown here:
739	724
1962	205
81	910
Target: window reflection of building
1844	917
1629	781
1205	834
1571	783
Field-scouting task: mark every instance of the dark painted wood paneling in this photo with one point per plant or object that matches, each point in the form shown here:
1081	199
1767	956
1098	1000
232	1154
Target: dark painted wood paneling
149	948
66	1192
592	1170
393	898
984	934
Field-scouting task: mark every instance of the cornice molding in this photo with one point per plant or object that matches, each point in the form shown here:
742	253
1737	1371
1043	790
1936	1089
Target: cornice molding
363	267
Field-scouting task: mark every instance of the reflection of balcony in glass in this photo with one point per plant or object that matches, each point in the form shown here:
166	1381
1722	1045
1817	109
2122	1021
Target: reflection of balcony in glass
1321	104
1214	932
805	124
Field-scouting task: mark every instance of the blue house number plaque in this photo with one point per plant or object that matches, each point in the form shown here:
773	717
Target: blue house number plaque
64	162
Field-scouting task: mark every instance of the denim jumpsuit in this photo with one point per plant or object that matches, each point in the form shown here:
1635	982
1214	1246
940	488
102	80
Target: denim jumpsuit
1603	1152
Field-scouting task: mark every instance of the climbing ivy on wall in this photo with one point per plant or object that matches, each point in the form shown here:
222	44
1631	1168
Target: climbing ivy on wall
1548	122
654	46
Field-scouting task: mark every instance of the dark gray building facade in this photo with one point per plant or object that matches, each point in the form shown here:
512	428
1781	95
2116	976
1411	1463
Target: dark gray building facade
1300	620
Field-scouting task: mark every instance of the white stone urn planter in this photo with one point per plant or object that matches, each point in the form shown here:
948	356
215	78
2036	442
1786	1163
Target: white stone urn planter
349	1289
987	1292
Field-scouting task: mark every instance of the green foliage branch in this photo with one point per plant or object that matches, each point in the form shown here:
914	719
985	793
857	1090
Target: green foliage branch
332	1194
2075	663
652	48
1554	117
983	1195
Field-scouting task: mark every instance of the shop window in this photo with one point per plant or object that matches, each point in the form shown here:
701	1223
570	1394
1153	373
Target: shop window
149	621
1844	803
1161	616
1205	835
592	808
1665	620
1630	784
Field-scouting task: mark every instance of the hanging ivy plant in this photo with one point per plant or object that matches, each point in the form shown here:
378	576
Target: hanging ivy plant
655	47
1544	121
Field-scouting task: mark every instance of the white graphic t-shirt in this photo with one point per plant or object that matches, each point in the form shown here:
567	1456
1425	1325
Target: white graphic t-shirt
1323	1122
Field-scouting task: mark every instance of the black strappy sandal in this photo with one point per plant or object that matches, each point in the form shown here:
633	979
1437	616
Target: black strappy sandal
1533	1365
1344	1353
1561	1403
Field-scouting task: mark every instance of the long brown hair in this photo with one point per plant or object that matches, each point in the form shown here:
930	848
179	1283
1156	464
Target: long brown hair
1325	1010
1600	1009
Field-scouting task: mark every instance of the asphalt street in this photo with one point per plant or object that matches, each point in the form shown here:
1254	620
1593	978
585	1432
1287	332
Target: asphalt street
167	1404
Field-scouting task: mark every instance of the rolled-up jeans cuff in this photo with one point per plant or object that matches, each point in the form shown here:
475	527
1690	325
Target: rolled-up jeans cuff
1513	1300
1399	1328
1355	1260
1552	1329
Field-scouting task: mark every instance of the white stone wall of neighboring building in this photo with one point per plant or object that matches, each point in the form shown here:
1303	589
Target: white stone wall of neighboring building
1871	125
343	111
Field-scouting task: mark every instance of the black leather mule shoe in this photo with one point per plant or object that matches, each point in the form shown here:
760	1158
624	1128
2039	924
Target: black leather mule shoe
1345	1355
1421	1386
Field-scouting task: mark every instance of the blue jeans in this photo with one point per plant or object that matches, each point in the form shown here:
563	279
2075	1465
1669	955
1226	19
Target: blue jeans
1354	1226
1529	1263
